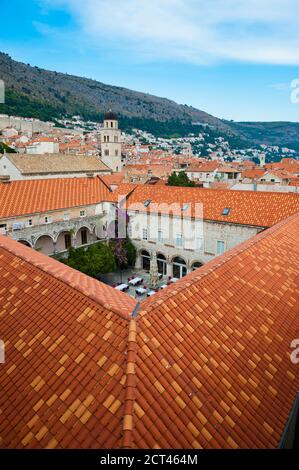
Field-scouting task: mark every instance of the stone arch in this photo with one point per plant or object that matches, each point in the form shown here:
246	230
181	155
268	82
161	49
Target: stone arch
25	242
162	263
83	235
45	244
196	264
145	259
179	267
63	240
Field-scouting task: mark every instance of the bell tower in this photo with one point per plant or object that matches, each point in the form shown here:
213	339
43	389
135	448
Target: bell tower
111	142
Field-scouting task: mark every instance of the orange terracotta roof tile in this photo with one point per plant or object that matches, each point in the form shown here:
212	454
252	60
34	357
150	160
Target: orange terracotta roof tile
31	196
66	336
205	363
215	370
254	173
262	209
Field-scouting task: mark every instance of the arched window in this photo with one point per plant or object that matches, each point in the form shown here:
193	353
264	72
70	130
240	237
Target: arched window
179	267
106	153
145	260
162	264
196	265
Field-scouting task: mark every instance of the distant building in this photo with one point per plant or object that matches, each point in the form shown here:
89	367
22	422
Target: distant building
27	167
43	145
111	143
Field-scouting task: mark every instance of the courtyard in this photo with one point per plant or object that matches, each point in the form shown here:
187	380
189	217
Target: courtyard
122	278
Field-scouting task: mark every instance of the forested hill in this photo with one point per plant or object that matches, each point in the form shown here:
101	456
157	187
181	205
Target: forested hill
49	95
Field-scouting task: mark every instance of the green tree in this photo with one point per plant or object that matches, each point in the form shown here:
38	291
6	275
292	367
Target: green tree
181	179
124	252
97	259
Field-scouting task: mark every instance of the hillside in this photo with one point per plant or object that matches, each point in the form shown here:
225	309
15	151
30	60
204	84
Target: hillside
272	133
47	95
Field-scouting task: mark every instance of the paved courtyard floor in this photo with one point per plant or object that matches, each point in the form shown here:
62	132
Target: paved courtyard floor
112	279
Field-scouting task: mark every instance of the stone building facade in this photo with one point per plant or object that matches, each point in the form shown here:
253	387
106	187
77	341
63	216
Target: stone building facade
110	136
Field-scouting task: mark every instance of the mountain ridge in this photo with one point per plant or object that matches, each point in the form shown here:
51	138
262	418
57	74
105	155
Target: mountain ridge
48	95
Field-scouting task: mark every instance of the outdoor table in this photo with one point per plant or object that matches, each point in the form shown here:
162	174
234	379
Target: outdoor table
122	287
135	281
141	291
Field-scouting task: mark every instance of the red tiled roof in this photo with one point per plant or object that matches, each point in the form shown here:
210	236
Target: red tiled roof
254	173
262	209
114	178
213	363
205	363
31	196
66	336
122	191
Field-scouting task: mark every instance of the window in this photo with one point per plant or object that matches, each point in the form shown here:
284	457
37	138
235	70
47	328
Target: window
115	138
144	234
179	240
116	153
220	247
84	236
66	216
82	213
111	124
160	236
30	223
226	211
48	220
67	241
147	202
130	231
106	153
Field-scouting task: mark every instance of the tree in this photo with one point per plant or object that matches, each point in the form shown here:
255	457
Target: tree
97	259
5	148
124	252
131	252
181	179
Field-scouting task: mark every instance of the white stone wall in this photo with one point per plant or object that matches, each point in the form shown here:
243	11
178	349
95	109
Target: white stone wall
199	242
39	148
7	168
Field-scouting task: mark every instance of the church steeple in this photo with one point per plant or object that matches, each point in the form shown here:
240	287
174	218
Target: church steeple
111	142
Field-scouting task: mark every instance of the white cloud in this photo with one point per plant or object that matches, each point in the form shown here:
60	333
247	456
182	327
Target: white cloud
198	31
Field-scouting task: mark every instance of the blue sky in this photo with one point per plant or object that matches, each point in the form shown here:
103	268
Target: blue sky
235	59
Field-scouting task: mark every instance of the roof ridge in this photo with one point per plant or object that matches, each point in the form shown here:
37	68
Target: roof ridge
130	387
104	295
150	303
